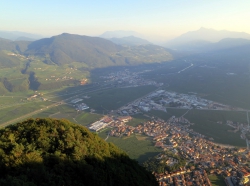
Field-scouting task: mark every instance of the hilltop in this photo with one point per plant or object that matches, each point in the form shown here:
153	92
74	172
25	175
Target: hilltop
94	52
57	152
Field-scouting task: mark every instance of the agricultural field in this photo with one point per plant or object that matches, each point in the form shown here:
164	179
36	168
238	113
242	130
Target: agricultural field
205	122
107	100
224	82
20	110
166	115
138	147
68	112
53	73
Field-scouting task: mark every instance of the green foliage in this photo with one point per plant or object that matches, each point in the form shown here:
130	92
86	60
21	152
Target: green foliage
217	180
159	165
57	152
138	147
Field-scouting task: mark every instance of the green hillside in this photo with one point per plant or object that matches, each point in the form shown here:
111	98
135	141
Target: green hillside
19	46
93	51
66	59
57	152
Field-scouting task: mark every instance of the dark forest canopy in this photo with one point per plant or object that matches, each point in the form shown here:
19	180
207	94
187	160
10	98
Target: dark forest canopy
58	152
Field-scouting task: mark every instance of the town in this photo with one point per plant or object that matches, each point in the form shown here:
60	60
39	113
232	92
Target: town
175	136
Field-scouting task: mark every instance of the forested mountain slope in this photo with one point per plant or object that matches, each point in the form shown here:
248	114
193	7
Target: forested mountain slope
57	152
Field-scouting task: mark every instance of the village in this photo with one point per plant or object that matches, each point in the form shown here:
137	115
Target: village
175	136
130	79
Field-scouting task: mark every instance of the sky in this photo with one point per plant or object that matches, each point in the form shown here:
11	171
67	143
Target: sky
159	19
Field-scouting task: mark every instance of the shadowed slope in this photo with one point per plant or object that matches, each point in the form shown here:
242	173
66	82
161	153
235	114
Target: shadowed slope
57	152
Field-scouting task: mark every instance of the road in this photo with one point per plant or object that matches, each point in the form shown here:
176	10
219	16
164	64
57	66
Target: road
28	115
56	103
185	68
107	137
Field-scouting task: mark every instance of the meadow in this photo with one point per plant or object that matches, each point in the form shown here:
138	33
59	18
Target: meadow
137	146
112	99
137	119
205	122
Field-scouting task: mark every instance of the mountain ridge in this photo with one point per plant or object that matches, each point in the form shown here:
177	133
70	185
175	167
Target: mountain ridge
204	35
120	34
93	51
16	35
129	41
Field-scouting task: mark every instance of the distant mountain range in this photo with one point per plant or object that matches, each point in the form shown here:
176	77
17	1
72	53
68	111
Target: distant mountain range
204	46
23	59
204	37
129	41
120	34
19	36
94	51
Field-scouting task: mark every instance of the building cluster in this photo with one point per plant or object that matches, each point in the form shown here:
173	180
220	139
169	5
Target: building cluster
81	106
175	136
161	99
78	104
109	122
18	55
128	78
53	78
68	74
184	177
74	101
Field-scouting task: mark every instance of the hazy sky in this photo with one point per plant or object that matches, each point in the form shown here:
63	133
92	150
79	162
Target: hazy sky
163	18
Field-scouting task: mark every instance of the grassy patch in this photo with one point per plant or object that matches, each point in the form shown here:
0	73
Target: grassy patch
217	180
137	119
87	118
140	150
